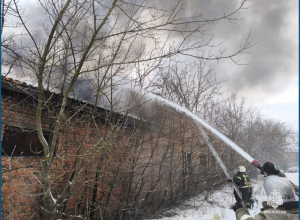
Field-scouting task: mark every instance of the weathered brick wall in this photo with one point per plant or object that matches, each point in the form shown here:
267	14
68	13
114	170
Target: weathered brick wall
137	169
20	188
21	175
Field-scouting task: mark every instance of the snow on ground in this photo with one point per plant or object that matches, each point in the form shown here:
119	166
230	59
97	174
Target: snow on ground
216	207
294	177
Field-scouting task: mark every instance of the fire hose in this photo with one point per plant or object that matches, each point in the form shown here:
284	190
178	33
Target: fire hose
219	160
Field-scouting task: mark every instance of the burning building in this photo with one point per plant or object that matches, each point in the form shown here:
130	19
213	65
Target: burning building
106	164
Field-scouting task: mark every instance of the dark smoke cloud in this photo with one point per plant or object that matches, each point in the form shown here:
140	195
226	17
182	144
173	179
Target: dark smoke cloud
273	59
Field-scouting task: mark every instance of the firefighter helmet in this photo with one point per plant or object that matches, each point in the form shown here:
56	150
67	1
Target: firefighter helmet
276	185
242	169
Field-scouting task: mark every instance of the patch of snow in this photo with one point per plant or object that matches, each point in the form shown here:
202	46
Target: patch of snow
218	203
54	200
293	170
294	177
45	139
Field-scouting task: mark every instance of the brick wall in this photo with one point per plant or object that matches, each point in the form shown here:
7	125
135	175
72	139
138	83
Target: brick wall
137	169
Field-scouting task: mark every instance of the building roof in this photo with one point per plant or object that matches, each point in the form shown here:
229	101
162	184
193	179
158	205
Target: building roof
30	89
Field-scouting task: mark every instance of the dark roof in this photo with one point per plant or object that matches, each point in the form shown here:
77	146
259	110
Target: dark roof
30	90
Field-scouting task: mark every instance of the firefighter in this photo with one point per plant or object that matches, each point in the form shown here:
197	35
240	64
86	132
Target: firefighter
270	170
242	181
283	202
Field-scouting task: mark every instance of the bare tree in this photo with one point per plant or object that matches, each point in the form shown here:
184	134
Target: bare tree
264	139
81	51
192	85
268	140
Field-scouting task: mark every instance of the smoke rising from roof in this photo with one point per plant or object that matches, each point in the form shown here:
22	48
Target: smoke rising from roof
274	60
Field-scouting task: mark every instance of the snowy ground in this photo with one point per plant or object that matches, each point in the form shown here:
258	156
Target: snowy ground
217	205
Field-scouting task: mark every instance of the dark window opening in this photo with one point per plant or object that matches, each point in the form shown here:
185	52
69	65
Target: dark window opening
203	160
212	162
188	162
19	142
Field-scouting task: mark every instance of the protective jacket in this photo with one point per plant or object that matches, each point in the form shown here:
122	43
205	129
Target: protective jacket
268	213
287	211
242	180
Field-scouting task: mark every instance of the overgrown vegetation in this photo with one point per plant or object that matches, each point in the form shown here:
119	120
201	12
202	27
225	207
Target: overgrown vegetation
112	154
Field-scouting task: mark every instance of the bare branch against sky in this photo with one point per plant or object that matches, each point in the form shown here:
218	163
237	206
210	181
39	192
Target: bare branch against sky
270	78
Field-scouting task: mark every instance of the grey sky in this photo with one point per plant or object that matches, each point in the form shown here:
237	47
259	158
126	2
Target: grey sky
273	70
275	56
272	73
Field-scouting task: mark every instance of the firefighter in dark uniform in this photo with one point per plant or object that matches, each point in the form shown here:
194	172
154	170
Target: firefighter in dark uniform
286	204
242	181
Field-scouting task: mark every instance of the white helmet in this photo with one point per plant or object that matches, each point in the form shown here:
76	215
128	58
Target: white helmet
278	188
242	169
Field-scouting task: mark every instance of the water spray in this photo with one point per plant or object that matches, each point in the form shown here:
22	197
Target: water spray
199	122
218	158
210	128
